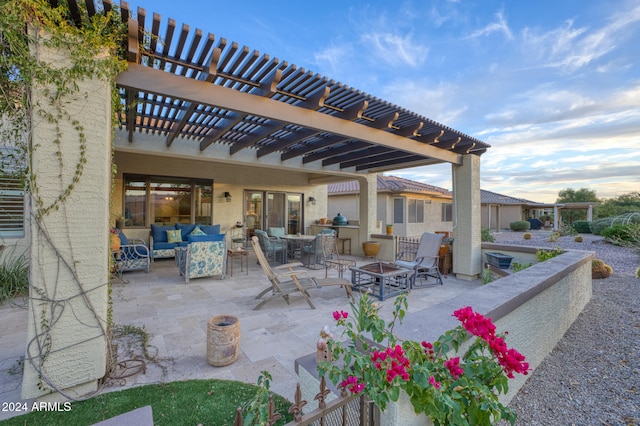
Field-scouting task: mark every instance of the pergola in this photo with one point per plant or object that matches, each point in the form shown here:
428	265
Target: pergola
205	100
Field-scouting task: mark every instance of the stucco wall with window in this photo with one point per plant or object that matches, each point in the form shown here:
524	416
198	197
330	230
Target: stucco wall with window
226	178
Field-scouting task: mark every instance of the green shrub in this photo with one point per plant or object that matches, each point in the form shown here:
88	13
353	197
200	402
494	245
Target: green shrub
486	235
517	267
520	225
582	226
597	226
618	232
14	277
543	255
567	230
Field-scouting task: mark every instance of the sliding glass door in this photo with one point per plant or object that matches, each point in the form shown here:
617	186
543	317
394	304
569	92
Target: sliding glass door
265	209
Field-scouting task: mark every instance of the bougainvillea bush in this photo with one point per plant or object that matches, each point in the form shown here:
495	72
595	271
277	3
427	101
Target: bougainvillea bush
451	388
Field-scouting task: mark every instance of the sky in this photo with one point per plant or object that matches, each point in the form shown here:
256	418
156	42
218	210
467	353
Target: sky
552	86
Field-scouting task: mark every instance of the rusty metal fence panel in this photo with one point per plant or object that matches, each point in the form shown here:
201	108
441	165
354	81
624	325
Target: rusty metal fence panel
407	247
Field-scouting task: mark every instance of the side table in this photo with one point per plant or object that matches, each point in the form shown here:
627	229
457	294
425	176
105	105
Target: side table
342	240
240	253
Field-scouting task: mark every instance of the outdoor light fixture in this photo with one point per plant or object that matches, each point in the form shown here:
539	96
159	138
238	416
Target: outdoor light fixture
312	201
227	196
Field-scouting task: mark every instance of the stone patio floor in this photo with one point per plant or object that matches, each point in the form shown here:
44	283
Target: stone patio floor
175	316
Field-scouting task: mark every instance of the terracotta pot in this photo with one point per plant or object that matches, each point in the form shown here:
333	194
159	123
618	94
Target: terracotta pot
114	241
371	248
323	221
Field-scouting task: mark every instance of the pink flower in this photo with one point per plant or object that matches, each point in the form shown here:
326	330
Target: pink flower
351	383
432	381
453	365
338	315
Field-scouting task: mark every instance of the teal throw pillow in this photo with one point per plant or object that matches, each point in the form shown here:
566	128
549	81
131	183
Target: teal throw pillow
174	236
197	231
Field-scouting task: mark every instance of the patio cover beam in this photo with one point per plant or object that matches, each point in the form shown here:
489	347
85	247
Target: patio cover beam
155	81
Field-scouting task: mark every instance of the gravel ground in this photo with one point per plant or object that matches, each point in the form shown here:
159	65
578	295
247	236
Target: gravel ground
592	377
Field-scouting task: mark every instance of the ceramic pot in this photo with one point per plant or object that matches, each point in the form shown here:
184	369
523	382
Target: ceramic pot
371	248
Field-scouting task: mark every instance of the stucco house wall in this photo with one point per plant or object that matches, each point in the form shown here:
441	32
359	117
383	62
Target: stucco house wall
226	178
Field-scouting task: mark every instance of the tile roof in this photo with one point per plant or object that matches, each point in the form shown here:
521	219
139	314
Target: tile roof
488	197
389	184
398	184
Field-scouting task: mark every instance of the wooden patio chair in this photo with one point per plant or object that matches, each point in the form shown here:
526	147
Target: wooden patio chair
286	280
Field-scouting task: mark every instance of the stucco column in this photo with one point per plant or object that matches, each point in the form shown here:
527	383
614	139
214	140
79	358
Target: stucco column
66	348
467	218
368	209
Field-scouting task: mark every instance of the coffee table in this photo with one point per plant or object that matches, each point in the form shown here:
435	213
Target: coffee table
384	279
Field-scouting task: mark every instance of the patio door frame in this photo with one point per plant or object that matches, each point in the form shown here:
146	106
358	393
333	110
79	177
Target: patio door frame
264	209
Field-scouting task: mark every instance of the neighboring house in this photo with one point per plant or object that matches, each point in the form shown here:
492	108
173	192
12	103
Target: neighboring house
415	207
411	207
499	210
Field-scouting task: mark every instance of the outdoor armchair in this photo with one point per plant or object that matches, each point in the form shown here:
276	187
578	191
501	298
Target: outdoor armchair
273	248
425	263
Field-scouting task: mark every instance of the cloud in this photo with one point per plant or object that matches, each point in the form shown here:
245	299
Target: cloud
395	49
500	26
333	57
570	48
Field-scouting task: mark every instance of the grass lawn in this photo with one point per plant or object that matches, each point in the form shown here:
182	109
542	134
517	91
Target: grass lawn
206	402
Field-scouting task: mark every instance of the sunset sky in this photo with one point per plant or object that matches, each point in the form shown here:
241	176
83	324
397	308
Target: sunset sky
553	86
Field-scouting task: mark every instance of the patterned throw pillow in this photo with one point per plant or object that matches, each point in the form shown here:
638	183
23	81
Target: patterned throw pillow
174	236
197	231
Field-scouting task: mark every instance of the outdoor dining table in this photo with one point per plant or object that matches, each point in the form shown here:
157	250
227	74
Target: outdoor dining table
296	243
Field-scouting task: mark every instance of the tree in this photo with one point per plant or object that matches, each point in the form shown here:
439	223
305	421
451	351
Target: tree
625	203
570	195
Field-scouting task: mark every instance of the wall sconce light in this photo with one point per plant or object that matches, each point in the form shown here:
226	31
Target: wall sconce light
312	201
227	196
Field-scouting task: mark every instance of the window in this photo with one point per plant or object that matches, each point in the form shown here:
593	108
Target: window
166	200
12	192
398	210
11	206
416	211
447	212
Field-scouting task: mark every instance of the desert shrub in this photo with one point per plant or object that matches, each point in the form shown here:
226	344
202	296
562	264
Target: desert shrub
14	277
565	229
517	267
527	235
638	273
553	237
487	276
582	226
619	232
578	239
543	255
486	235
597	226
520	225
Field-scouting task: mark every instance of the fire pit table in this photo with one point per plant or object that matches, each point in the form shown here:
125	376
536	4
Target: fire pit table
384	279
